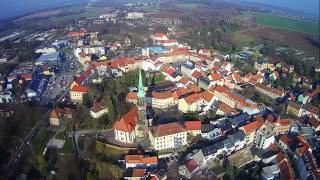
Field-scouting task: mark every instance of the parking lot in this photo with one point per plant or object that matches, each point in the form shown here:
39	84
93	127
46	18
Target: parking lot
61	81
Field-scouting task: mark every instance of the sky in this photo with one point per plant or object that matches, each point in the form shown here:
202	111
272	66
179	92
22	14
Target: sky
12	8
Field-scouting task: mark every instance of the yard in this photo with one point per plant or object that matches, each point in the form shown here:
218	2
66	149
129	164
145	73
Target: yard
283	22
188	6
41	140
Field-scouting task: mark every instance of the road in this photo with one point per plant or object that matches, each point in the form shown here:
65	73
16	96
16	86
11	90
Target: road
23	149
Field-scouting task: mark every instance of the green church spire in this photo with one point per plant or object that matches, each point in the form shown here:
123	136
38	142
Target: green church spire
141	93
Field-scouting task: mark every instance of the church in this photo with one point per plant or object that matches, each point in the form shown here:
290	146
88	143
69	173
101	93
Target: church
134	124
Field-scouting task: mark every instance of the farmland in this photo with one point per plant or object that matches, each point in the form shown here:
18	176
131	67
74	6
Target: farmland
294	39
283	22
188	6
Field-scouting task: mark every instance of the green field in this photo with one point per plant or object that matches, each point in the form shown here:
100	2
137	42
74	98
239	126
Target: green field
187	6
284	22
242	39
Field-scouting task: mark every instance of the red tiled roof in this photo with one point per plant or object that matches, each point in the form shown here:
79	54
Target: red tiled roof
192	98
98	106
132	96
170	71
249	128
167	129
285	139
191	165
216	76
138	172
184	80
141	159
196	74
128	122
314	122
225	108
82	89
161	95
193	125
157	34
207	96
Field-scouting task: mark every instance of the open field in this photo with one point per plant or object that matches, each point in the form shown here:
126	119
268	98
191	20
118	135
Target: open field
242	39
283	22
40	14
294	39
187	6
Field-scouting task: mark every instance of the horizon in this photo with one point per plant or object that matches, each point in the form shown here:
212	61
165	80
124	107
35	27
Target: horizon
12	9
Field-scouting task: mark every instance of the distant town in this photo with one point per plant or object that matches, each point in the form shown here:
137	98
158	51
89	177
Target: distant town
131	93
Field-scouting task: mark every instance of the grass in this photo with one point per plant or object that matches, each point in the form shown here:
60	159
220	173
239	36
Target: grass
283	22
187	6
68	146
41	140
242	39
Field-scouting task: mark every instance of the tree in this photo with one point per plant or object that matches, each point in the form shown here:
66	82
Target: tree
86	100
111	113
230	172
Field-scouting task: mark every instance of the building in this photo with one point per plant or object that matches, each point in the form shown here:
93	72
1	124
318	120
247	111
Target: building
135	15
50	58
210	132
98	109
134	124
77	92
293	109
190	103
270	172
264	137
124	128
140	161
168	136
58	115
193	127
161	100
250	130
269	91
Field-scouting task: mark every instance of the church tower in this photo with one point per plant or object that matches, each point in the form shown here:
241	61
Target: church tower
142	125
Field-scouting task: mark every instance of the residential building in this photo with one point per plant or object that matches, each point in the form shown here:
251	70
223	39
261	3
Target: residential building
193	127
269	91
58	115
168	136
98	109
77	92
190	103
264	137
210	132
250	130
140	161
293	109
270	172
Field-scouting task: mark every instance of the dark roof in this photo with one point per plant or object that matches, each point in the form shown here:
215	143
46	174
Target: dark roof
207	128
236	120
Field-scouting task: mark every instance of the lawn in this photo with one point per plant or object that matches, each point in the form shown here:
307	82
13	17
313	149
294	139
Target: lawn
242	39
187	6
41	140
284	22
68	146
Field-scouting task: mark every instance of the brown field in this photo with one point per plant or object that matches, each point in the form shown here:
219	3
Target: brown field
173	15
294	39
39	15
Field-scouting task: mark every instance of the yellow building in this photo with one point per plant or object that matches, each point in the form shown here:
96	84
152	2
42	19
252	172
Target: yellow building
168	136
77	93
293	109
190	103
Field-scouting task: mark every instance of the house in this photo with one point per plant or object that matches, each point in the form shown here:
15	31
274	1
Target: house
309	110
124	128
192	165
140	161
269	91
135	174
314	123
57	115
224	109
159	37
303	98
234	142
83	58
77	92
210	132
264	137
161	100
286	170
270	172
193	127
293	109
251	128
98	109
239	120
168	136
190	103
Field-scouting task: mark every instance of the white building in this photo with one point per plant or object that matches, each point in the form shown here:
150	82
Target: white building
168	136
264	137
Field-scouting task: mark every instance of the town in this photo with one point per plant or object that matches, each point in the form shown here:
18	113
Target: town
156	107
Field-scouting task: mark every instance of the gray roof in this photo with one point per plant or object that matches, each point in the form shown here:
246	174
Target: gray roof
270	171
49	57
